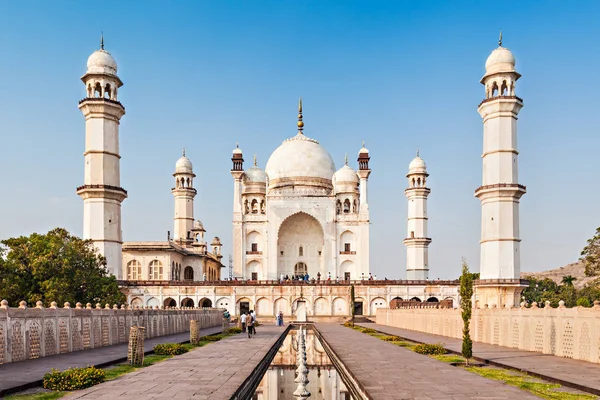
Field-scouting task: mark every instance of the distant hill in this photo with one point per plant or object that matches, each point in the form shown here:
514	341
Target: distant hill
575	269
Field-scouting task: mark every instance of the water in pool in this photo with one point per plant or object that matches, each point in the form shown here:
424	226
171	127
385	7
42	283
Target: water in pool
324	383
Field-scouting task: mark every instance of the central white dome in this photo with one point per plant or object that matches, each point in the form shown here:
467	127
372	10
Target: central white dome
300	161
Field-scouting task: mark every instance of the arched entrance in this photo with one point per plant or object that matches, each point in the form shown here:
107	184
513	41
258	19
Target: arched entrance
300	243
187	302
206	303
169	302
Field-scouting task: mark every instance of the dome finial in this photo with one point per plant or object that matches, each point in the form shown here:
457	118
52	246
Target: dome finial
363	143
237	145
417	152
255	163
500	39
102	40
300	123
346	159
183	152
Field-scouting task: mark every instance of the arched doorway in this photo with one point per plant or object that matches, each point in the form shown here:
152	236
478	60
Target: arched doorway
433	300
169	302
300	269
395	302
187	302
206	303
188	274
416	299
300	243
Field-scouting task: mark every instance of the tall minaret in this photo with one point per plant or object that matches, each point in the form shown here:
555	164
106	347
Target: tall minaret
184	194
237	172
417	242
500	191
363	173
102	193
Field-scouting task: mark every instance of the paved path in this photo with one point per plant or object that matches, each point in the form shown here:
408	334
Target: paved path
390	372
210	372
26	374
577	374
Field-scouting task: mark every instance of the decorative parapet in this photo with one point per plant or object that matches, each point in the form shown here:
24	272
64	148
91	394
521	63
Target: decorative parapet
27	333
566	332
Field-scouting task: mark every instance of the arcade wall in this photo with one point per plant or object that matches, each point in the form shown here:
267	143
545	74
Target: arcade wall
566	332
27	333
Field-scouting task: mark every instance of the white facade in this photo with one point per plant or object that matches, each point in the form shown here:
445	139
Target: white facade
417	240
500	191
101	192
300	215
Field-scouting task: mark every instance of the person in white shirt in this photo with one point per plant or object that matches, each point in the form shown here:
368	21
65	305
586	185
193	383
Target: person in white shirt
243	321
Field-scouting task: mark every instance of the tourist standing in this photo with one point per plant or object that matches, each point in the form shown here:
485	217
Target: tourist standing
280	318
253	315
250	324
243	319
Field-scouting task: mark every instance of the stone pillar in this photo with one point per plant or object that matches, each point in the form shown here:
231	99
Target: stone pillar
135	352
194	332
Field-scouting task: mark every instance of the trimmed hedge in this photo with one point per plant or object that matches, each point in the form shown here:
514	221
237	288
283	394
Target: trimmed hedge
348	324
391	338
430	349
169	349
211	338
368	330
233	330
73	378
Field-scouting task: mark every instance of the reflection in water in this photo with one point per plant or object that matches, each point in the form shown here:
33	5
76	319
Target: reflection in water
324	381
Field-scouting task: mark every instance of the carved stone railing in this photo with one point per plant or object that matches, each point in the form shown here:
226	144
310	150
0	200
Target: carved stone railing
322	281
566	332
27	333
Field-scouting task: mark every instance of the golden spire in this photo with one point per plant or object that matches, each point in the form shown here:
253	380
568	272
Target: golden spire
102	41
300	123
255	164
500	39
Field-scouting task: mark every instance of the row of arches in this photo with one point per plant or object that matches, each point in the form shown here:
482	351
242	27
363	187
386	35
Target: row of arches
254	206
171	302
184	182
346	207
499	87
156	272
417	182
98	90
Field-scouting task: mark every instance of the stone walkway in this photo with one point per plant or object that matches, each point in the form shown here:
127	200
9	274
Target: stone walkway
390	372
581	375
27	374
210	372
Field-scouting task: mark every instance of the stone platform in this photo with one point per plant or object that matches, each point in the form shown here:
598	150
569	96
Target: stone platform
23	375
581	375
210	372
390	372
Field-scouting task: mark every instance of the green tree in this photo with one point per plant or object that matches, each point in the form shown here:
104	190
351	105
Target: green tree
55	267
466	305
568	280
583	302
590	255
352	302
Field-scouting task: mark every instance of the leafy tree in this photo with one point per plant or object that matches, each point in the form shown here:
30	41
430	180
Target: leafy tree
583	302
352	302
590	255
466	305
55	267
568	280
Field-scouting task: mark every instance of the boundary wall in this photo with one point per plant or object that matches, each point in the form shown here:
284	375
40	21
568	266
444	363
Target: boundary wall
566	332
27	333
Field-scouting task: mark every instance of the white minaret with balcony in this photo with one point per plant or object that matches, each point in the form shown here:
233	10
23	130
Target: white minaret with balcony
417	241
101	192
184	194
500	190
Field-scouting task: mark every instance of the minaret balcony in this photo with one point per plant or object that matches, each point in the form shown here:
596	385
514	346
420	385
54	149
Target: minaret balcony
417	240
185	189
99	107
101	100
501	98
515	190
99	190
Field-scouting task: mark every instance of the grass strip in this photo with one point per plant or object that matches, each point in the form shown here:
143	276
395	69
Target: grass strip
517	379
115	371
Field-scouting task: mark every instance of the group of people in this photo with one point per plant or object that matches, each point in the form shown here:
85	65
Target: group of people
248	323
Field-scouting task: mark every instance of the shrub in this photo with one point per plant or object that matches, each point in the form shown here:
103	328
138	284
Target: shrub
73	378
348	324
211	338
169	349
391	338
369	330
233	330
430	349
583	302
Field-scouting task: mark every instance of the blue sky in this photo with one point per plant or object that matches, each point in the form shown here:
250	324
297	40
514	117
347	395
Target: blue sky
399	75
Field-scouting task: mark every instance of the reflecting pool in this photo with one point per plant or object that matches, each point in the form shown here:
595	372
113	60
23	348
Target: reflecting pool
324	383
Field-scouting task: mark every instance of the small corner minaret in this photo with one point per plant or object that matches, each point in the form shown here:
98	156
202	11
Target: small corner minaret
363	173
237	172
184	194
101	192
500	190
417	241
